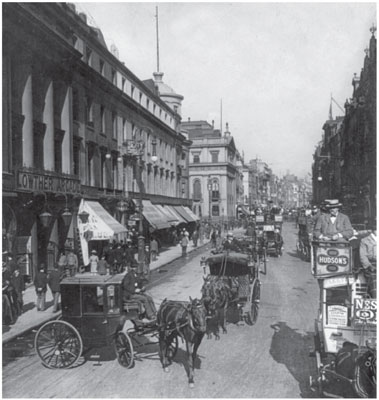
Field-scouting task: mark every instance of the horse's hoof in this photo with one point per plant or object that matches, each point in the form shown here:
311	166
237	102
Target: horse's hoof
166	369
191	385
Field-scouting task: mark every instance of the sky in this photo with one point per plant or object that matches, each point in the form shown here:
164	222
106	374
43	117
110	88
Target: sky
273	66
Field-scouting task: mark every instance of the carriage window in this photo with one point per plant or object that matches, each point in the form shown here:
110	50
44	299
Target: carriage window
92	299
70	297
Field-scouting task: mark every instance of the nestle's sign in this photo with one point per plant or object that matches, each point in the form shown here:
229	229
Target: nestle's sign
32	181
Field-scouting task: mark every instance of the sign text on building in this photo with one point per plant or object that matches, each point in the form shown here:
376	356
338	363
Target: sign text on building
32	181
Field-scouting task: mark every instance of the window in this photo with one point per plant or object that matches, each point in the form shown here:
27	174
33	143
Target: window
89	112
147	103
114	126
132	92
154	108
176	109
214	155
124	130
215	211
58	155
76	158
75	105
102	119
140	98
114	77
92	299
88	55
160	113
70	300
123	84
165	116
215	195
103	171
114	172
196	158
102	69
196	190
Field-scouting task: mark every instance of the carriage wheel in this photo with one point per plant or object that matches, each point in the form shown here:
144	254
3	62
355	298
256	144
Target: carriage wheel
124	350
58	344
252	314
365	378
172	348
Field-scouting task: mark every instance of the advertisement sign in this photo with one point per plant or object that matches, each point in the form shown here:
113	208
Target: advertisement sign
260	218
365	311
278	218
268	228
332	260
337	315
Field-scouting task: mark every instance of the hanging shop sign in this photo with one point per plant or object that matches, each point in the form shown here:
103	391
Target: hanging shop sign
31	181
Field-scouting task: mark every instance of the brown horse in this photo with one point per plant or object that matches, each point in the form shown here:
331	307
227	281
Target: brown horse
184	319
216	295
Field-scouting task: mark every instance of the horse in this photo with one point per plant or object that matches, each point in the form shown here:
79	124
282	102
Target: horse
216	295
184	319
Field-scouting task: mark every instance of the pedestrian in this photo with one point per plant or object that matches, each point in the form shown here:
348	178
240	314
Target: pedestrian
40	284
18	283
213	239
154	249
53	280
146	266
72	262
63	264
184	243
195	237
103	266
93	260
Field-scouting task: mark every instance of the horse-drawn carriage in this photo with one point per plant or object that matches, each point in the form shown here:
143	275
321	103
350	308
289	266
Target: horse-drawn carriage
95	315
239	275
345	329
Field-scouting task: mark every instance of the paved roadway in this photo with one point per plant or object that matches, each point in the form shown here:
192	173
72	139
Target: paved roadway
267	360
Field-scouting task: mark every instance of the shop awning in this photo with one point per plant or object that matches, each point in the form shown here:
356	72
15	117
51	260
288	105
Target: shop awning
171	219
101	225
180	219
154	216
191	213
183	213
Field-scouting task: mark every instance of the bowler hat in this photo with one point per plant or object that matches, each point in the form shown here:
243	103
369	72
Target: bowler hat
333	204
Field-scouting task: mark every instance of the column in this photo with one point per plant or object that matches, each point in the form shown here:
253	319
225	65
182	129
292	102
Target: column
27	128
66	124
48	120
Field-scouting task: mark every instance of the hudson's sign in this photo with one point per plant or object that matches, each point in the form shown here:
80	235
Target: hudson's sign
332	260
31	181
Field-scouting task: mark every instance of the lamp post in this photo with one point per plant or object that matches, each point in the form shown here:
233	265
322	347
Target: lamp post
135	149
210	197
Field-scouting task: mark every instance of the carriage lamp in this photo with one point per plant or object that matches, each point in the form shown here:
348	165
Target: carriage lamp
66	216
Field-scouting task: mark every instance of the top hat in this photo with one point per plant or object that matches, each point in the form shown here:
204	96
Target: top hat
93	252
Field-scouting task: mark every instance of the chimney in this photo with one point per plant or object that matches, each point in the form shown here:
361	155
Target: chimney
213	123
83	17
189	119
355	82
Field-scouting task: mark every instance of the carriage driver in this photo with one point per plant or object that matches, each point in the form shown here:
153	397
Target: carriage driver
131	291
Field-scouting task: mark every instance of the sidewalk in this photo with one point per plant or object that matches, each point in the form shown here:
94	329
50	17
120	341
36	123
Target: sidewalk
31	318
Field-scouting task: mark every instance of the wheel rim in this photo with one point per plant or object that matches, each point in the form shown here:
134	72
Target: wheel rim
252	314
124	350
58	344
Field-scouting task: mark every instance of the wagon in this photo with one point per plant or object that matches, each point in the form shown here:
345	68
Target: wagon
345	328
242	275
273	242
94	315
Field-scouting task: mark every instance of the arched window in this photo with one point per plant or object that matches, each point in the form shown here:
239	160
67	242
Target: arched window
196	190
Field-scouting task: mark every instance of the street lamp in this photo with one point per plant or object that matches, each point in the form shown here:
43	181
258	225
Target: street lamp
45	217
135	149
210	196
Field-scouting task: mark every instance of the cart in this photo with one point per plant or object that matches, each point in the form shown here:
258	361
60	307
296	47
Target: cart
345	329
272	240
242	275
93	316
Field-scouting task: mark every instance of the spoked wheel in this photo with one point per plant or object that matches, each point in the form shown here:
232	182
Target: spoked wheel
124	350
58	344
365	375
254	299
263	260
172	348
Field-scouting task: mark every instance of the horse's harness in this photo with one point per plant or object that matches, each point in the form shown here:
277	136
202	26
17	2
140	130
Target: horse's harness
178	326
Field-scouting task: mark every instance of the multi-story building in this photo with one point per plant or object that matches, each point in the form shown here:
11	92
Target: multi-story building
345	160
71	110
259	183
215	176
